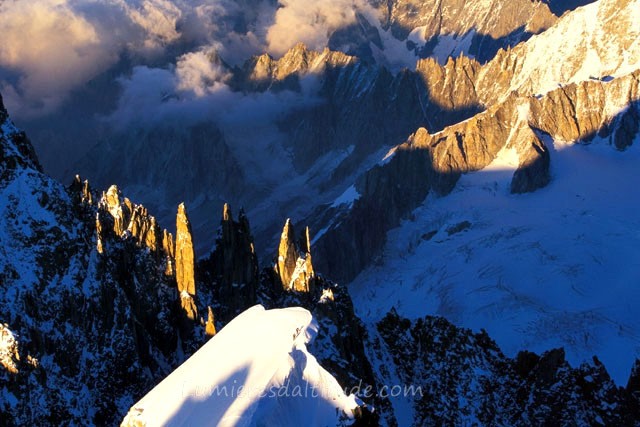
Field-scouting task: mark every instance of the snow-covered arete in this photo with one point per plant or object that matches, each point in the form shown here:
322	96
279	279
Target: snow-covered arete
256	371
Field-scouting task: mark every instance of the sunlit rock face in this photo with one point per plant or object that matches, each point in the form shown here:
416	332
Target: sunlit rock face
522	101
266	73
477	28
293	262
185	254
185	264
210	327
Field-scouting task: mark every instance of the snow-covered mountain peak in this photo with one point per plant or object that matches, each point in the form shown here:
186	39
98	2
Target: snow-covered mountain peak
599	40
256	371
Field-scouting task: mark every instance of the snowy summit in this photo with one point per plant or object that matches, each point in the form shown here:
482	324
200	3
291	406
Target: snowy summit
256	371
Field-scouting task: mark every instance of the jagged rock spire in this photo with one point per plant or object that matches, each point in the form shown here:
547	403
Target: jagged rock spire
111	202
184	254
287	254
293	265
99	234
144	227
170	252
226	213
126	218
81	191
184	258
233	265
210	327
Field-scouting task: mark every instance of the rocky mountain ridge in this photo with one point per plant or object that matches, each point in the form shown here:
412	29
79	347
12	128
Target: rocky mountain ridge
62	283
519	107
475	28
466	379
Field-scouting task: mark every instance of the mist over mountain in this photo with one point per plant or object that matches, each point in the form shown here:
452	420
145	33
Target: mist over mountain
436	197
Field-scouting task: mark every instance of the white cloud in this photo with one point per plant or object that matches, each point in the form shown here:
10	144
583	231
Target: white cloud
50	49
310	22
158	18
197	72
195	90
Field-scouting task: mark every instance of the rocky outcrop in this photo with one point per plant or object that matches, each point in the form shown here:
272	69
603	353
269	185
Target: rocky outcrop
210	326
122	218
185	264
16	153
82	190
293	262
451	86
633	389
533	170
519	69
144	228
232	267
169	250
463	376
9	355
184	255
120	212
581	111
287	256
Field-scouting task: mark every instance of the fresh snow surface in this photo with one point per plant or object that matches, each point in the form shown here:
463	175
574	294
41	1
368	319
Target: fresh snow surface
255	371
395	54
349	196
599	40
453	45
557	267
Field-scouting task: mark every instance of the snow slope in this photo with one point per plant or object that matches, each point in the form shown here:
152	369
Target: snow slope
599	40
558	267
256	371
